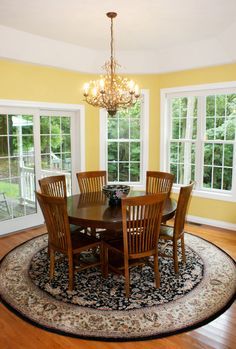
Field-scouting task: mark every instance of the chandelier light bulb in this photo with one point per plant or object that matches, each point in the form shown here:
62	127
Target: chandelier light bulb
112	91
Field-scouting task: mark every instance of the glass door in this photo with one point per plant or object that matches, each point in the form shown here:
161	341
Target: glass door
17	166
34	143
55	140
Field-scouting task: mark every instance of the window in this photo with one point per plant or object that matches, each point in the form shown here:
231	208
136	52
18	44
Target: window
198	142
124	143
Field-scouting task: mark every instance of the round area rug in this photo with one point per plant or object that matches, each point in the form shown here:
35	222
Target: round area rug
97	307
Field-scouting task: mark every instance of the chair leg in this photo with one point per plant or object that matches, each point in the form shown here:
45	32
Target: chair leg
127	279
52	262
175	256
156	271
183	249
71	272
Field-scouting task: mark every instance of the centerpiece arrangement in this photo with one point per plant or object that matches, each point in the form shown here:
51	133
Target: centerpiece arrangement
114	192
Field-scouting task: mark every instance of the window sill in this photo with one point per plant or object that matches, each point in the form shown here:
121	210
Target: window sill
210	195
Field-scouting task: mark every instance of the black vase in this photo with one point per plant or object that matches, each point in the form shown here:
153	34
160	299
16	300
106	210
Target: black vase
114	201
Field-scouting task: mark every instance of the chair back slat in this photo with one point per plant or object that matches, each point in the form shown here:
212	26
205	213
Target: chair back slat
182	206
91	181
54	210
141	218
159	182
53	186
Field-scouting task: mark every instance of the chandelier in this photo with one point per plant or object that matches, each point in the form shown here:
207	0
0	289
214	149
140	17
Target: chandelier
112	91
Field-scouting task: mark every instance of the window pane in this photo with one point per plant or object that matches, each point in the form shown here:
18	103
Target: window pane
45	162
183	107
45	144
3	124
124	151
208	152
112	172
220	105
15	167
228	155
112	128
173	152
174	170
175	107
112	151
135	129
3	146
56	144
218	154
124	129
192	172
65	125
210	128
4	166
175	128
28	144
207	177
44	125
65	145
220	128
124	172
210	106
217	176
66	161
227	179
135	151
231	104
15	145
230	128
135	172
193	152
55	125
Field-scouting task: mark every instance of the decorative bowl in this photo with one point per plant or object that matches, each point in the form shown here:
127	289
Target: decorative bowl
114	192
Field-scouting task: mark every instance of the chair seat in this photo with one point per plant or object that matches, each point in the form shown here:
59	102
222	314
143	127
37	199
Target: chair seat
166	232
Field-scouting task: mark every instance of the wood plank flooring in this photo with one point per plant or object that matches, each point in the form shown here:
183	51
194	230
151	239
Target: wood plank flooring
218	334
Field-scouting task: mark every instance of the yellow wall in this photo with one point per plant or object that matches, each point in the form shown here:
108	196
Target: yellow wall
35	83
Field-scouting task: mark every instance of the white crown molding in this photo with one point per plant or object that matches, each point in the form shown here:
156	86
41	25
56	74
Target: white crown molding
26	47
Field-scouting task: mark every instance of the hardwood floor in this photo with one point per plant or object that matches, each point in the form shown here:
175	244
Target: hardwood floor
218	334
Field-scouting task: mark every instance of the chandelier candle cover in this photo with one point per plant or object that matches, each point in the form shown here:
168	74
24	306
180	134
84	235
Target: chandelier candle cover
112	91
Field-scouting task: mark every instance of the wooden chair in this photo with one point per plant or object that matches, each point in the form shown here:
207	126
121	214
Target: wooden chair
175	233
53	186
60	238
158	182
56	186
91	181
141	217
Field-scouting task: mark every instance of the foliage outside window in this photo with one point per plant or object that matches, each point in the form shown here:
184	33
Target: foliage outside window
124	145
201	139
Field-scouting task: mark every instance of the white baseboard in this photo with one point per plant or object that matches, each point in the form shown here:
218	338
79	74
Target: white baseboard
213	222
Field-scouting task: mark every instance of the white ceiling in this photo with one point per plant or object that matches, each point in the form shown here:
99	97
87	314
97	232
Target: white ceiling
159	28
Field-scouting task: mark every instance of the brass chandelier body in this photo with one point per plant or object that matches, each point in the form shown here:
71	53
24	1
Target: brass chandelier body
112	91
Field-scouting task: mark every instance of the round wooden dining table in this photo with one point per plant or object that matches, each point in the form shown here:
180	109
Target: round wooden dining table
93	210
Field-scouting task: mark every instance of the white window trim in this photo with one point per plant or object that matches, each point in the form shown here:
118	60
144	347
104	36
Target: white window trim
144	140
78	161
165	122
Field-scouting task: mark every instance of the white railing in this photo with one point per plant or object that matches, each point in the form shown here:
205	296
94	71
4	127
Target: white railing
27	182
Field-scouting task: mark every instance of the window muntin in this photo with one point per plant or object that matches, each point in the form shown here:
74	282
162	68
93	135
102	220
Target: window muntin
210	137
124	145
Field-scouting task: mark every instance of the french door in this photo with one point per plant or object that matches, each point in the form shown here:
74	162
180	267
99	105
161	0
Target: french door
35	143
